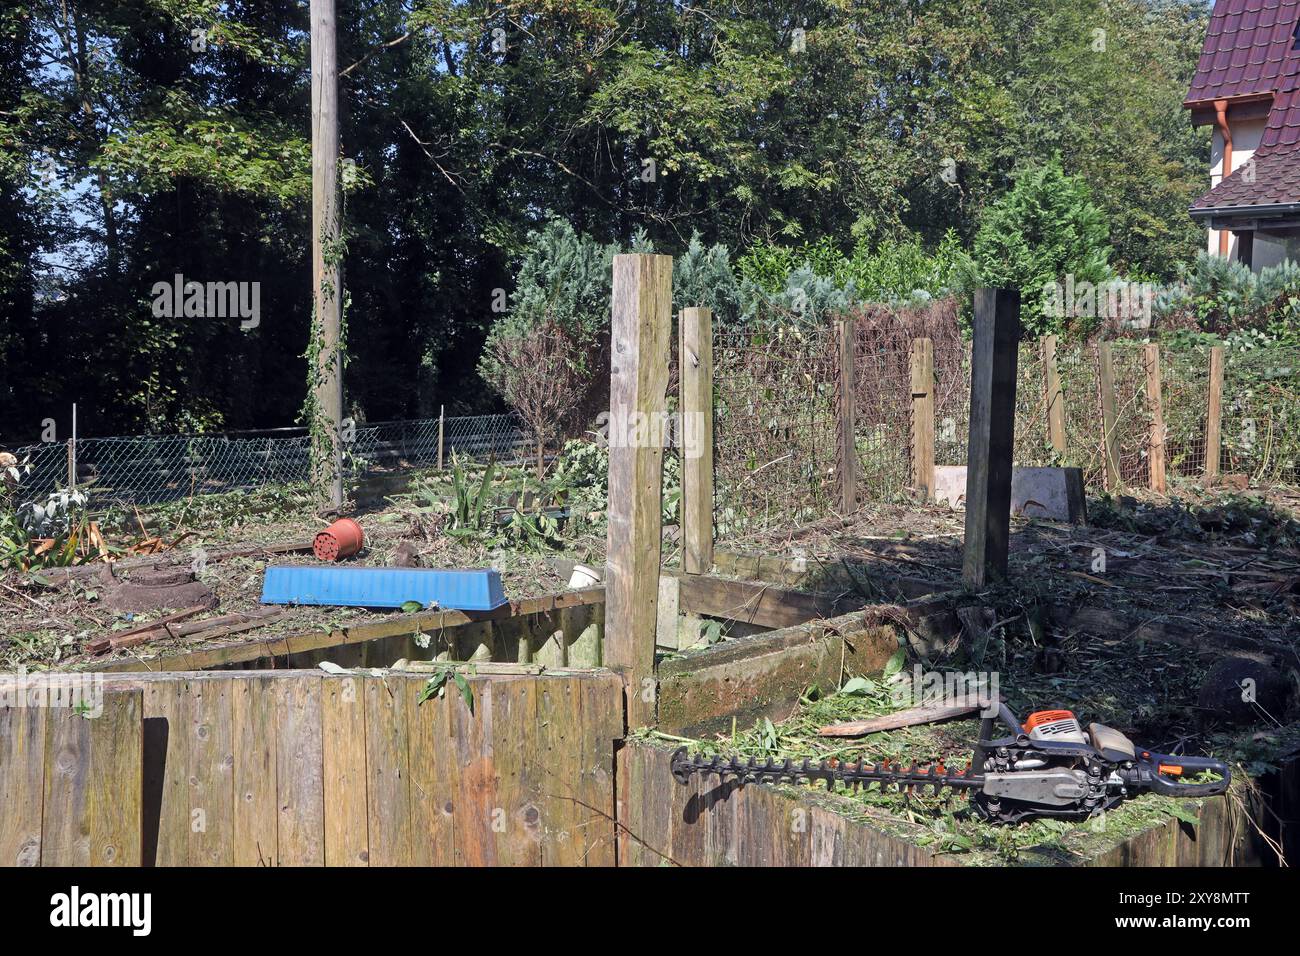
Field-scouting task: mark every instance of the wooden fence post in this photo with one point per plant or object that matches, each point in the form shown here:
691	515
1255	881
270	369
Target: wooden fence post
848	448
994	355
1109	419
1214	417
695	358
923	417
442	412
642	324
1155	405
1053	396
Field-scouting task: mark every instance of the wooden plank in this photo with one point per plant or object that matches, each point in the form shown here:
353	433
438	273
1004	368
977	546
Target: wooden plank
256	816
923	417
22	777
434	778
602	724
207	721
281	646
763	605
1053	396
65	820
912	717
167	763
476	799
299	759
695	368
846	455
343	725
1214	417
559	730
1156	409
994	353
116	798
1109	415
642	320
517	817
387	773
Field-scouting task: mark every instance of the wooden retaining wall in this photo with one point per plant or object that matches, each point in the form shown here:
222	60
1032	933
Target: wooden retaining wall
303	768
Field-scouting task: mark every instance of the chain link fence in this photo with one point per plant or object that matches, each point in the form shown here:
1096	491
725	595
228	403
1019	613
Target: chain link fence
156	468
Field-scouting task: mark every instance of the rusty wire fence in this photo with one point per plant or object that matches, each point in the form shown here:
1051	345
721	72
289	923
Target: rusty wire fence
777	417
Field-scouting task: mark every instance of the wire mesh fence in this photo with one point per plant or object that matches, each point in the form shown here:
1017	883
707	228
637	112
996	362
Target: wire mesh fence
777	417
157	468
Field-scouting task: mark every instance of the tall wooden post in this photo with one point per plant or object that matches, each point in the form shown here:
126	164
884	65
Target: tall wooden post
847	453
923	418
1053	396
642	323
326	252
1214	417
994	354
1156	408
695	356
1109	415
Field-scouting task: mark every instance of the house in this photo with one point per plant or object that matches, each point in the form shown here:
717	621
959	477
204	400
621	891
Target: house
1247	86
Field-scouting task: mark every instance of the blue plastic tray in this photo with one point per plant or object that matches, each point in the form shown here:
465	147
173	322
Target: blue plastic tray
478	590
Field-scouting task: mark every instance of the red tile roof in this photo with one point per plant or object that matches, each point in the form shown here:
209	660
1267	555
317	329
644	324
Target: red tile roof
1246	46
1249	51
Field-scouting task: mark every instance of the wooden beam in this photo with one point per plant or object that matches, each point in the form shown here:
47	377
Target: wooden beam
847	451
695	357
641	325
1156	409
1214	417
1053	396
923	418
1109	415
326	264
763	605
994	354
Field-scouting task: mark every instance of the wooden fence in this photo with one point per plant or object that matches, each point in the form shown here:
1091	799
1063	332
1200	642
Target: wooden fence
302	768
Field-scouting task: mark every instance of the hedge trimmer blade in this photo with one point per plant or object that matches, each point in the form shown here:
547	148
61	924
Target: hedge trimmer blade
860	774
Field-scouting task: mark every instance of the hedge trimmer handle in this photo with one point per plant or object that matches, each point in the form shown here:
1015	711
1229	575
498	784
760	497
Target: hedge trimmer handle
1159	772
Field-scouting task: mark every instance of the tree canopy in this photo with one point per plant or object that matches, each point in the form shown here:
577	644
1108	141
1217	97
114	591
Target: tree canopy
143	139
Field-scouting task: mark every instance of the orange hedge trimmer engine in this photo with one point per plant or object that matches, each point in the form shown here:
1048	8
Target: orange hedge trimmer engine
1049	766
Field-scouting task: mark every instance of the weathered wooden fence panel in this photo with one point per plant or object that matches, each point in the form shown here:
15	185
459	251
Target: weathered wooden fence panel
303	768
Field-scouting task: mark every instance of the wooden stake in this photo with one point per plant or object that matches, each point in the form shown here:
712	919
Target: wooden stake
923	418
642	323
326	269
1109	418
994	354
1155	405
695	356
1214	417
848	449
1053	396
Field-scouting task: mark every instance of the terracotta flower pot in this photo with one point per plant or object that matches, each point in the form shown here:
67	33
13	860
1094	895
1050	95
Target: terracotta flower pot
342	539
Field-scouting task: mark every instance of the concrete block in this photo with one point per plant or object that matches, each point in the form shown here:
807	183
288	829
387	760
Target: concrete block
1052	493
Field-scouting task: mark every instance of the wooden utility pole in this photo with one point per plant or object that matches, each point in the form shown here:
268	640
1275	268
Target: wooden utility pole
923	418
1156	407
1109	415
994	354
1214	417
695	357
1053	396
847	453
638	385
326	256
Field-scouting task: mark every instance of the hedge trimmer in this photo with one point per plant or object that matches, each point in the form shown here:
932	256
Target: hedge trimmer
1047	767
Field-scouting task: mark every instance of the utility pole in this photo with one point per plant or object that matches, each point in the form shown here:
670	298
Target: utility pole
326	257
